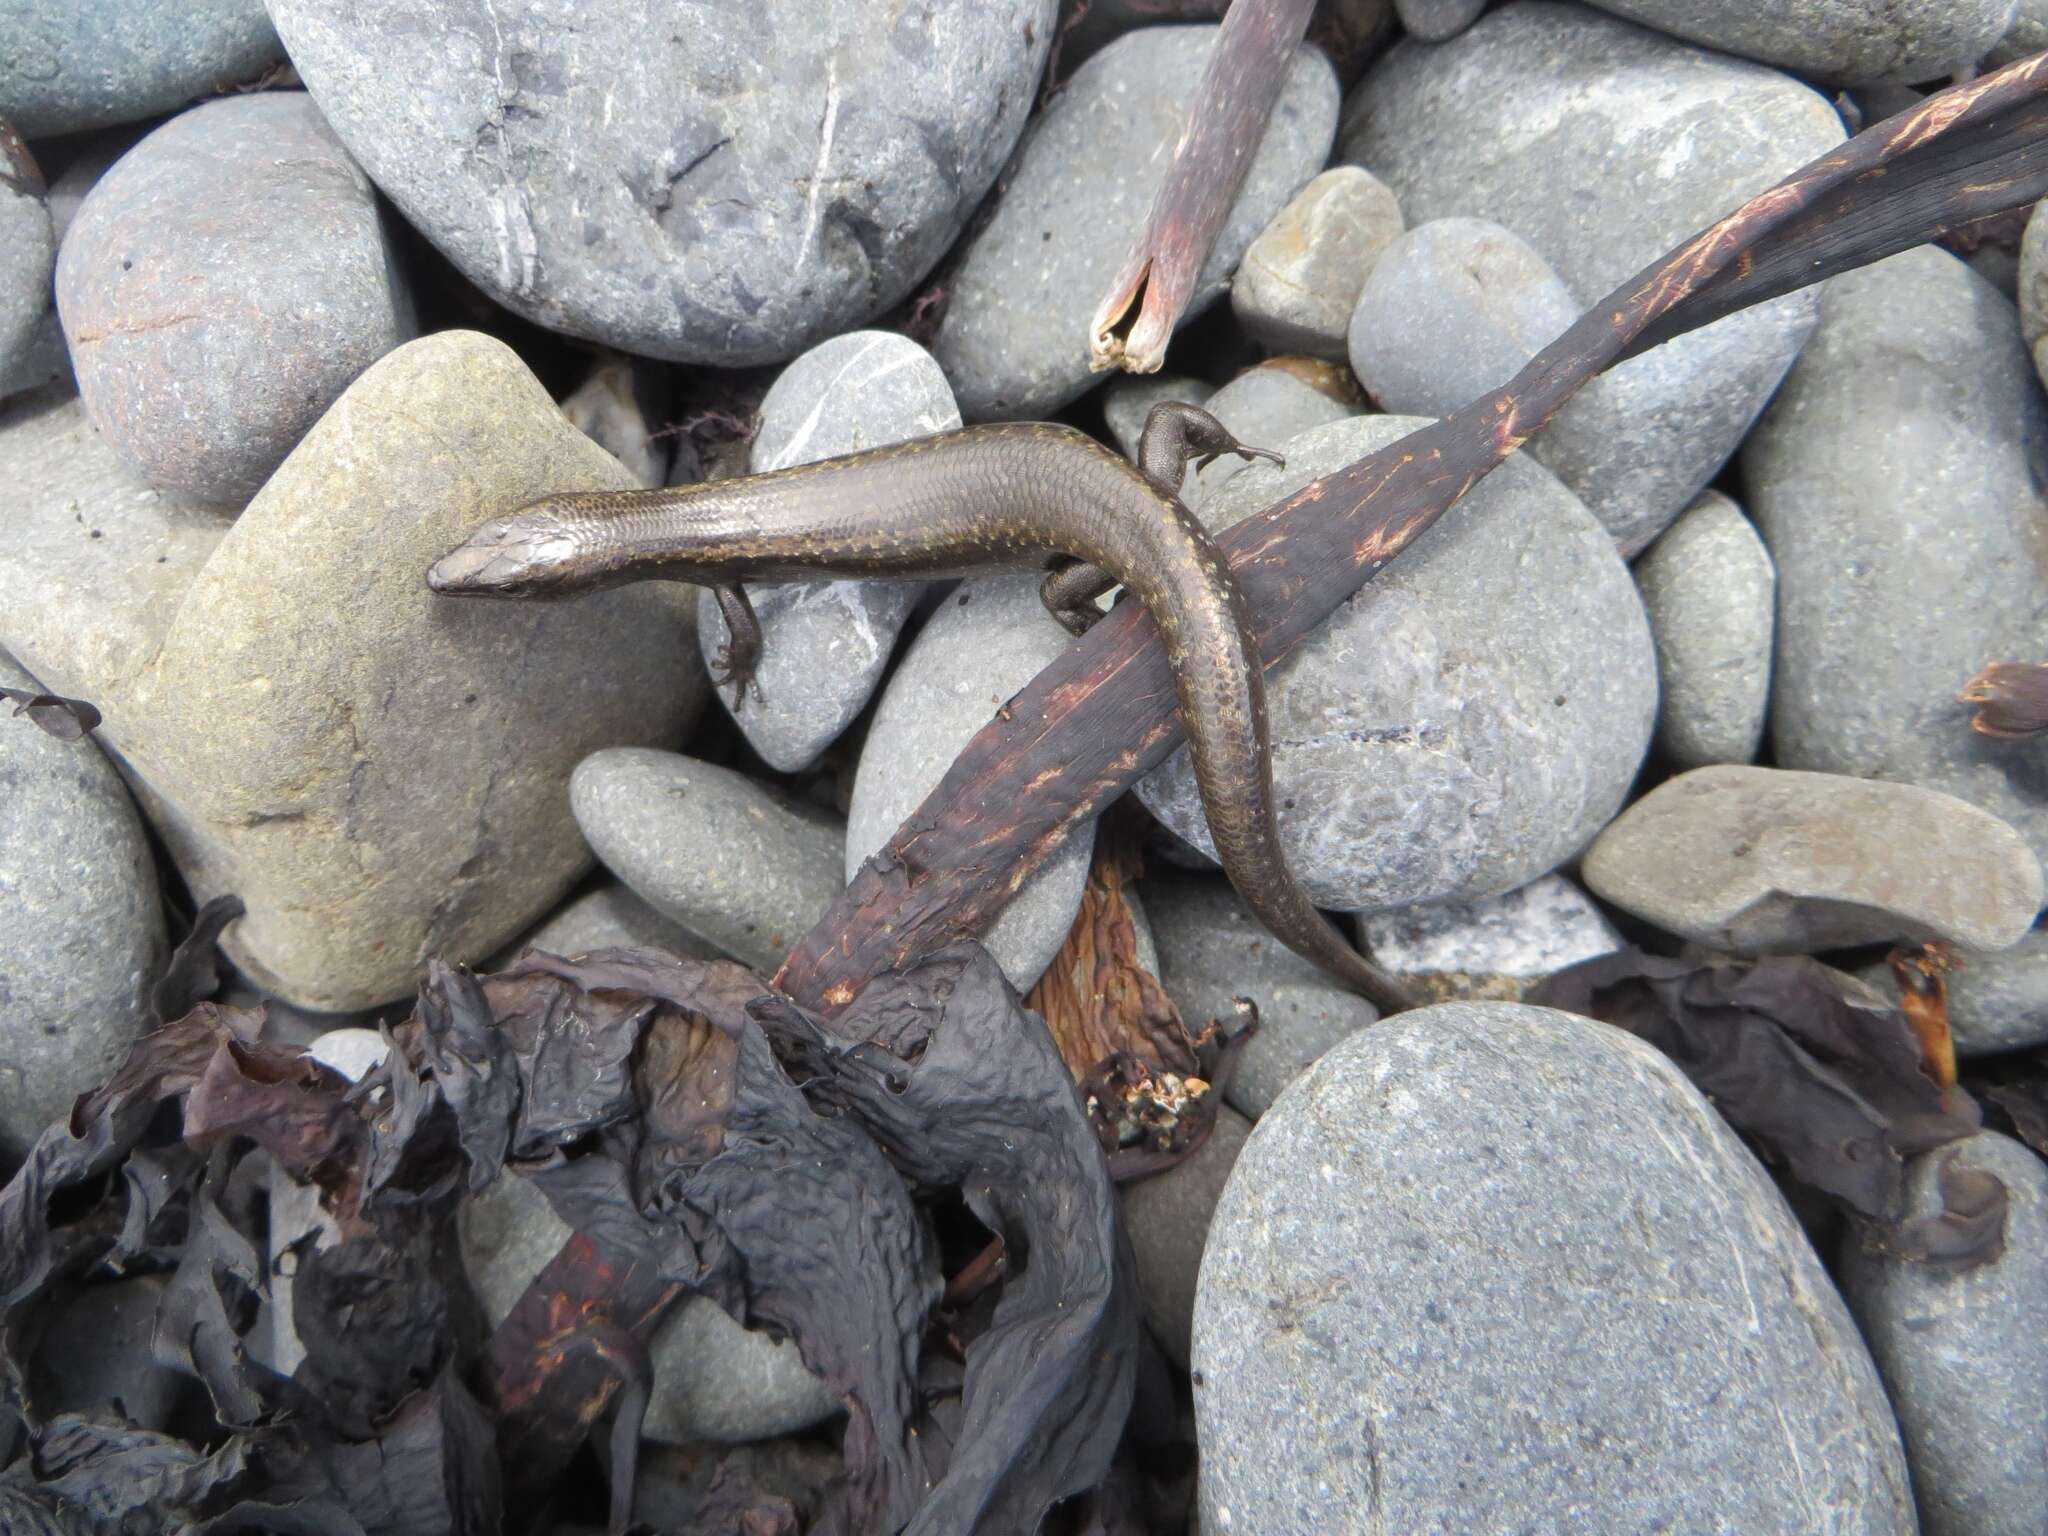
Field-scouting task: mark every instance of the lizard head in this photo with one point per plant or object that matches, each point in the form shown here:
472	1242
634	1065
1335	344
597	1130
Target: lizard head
532	552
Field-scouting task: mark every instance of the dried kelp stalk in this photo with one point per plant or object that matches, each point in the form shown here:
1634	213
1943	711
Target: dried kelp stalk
1102	715
1837	1094
1097	1000
1226	121
1922	977
2011	699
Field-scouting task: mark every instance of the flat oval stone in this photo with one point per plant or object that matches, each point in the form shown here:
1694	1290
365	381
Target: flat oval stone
1298	283
2031	287
28	252
2027	35
1015	337
825	644
716	185
1711	592
709	848
986	640
1470	718
1965	1354
1848	41
1452	311
1604	145
1436	21
1895	480
608	915
1212	951
1769	861
221	286
84	925
71	67
389	787
1497	948
1167	1217
1498	1268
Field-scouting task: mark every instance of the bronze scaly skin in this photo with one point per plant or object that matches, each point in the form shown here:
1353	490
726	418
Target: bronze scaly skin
1013	494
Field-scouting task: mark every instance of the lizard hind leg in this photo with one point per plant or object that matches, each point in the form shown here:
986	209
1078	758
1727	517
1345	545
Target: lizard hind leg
739	659
1176	434
1069	592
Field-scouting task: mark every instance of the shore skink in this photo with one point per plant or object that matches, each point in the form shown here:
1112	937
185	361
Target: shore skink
1009	494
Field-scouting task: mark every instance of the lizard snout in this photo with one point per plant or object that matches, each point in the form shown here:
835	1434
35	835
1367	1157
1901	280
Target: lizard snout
506	556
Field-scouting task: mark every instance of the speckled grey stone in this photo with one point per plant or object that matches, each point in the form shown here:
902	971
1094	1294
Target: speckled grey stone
1896	480
2027	35
1770	861
1167	1218
2031	287
1603	146
713	185
1265	407
1471	718
79	907
606	916
44	359
1128	399
826	643
987	640
1996	1002
95	1356
713	1380
1498	948
1488	1267
1453	309
68	67
713	850
1711	592
1297	285
1451	312
1965	1355
97	590
1436	21
1213	951
1848	41
1015	337
220	288
606	408
28	252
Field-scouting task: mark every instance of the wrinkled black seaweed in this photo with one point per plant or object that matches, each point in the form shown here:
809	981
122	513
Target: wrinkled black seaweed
1835	1093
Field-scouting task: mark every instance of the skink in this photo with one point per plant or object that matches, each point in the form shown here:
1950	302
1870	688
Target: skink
1010	494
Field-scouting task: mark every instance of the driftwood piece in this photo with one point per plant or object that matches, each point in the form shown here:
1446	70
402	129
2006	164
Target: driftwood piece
1136	317
1097	719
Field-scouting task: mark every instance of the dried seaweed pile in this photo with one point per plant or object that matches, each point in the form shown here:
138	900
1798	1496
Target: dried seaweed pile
702	1135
